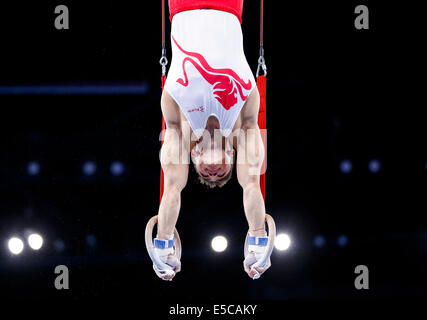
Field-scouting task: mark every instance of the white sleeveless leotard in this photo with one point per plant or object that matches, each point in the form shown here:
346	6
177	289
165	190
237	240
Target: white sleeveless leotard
209	74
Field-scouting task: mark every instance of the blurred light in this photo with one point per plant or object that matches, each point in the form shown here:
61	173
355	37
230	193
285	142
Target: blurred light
15	245
282	242
35	241
342	241
136	88
89	168
117	168
346	166
219	243
374	166
319	241
59	245
33	168
91	240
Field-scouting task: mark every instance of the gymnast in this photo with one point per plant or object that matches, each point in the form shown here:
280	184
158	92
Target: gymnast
210	105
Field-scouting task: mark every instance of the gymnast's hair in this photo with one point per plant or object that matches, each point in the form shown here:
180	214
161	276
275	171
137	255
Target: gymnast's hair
217	183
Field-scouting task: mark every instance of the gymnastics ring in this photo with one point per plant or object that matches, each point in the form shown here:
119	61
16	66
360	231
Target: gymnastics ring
270	245
163	268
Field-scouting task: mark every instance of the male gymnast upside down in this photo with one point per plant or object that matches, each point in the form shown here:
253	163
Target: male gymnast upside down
210	104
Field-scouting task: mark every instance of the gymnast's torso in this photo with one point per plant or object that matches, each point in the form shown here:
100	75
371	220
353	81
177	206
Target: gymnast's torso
209	75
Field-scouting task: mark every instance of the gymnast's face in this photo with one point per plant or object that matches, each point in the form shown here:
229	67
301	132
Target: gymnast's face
212	161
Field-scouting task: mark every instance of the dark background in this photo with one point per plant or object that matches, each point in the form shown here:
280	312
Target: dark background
334	93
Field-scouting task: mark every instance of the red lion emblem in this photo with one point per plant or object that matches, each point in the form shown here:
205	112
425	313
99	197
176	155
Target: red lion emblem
225	82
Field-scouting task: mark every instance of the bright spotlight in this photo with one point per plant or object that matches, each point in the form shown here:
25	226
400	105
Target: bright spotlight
15	245
35	241
219	243
89	168
117	168
282	242
374	166
346	166
33	168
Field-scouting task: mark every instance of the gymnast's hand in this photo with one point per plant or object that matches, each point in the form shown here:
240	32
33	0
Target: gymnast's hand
168	257
252	258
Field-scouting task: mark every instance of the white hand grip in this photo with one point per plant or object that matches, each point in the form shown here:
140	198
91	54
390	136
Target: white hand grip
161	268
270	245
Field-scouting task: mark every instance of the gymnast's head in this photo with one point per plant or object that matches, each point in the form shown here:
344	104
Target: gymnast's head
213	157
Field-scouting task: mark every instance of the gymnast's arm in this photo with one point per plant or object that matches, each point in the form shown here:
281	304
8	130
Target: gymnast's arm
174	168
250	156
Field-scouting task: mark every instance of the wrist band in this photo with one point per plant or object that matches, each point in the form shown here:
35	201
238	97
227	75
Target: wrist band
258	241
163	244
